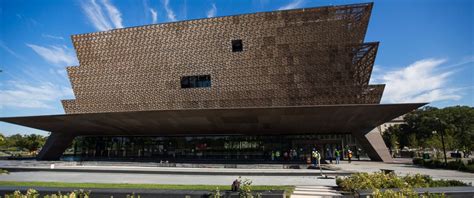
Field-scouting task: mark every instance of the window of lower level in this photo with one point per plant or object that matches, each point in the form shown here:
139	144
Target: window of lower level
196	81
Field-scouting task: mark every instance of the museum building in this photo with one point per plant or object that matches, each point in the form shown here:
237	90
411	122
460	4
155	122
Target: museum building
233	88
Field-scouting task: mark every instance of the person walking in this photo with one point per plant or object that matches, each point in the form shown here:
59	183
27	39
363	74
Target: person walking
273	155
317	157
359	150
349	155
338	155
329	154
295	155
277	155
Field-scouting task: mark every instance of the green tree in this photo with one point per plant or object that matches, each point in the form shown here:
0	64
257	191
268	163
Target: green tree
31	142
3	140
424	126
412	141
16	141
390	137
34	142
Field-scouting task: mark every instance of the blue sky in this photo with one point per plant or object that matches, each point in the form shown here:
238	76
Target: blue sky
426	51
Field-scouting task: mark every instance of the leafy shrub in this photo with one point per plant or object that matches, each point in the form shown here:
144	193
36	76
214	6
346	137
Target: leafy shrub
245	190
470	168
417	161
470	162
456	165
432	164
438	164
405	192
402	193
30	193
216	193
417	180
379	180
452	165
133	196
446	183
3	171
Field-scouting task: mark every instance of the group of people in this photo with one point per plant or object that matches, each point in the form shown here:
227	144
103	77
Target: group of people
313	157
291	154
330	155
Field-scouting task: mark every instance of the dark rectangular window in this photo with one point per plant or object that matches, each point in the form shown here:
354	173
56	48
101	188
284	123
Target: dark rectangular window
196	81
237	46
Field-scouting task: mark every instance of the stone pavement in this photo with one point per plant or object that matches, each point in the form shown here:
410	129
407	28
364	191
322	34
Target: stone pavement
185	179
273	174
116	167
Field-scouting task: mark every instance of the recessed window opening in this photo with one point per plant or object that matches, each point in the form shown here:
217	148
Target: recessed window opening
237	46
196	81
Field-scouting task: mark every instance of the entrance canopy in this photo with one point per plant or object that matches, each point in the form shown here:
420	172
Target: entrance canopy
357	119
261	120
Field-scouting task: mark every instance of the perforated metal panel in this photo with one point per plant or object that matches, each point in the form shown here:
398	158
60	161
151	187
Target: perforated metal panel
298	57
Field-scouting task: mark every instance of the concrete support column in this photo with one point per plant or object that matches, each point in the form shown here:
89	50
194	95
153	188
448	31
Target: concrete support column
55	146
372	142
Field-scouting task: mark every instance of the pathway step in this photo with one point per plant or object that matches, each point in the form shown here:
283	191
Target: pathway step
315	191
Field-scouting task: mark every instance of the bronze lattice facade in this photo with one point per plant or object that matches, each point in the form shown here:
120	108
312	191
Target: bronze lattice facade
314	56
296	77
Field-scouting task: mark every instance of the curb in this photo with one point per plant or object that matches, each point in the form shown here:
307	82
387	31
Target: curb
177	172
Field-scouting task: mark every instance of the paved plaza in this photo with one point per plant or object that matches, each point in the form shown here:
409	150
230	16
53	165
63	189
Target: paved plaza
134	178
260	175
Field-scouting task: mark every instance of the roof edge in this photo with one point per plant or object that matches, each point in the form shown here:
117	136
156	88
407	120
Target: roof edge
368	4
418	105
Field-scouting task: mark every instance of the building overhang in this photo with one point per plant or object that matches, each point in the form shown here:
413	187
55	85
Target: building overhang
224	121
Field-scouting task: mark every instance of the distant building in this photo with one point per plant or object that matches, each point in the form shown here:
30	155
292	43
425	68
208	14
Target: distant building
222	89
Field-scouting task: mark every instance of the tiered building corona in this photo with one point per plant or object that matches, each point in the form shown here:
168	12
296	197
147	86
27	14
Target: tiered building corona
233	88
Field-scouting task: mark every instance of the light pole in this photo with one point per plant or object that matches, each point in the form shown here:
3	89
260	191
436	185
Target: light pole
442	142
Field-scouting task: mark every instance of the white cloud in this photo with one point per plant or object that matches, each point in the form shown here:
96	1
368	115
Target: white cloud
292	5
169	12
154	15
94	12
259	3
212	12
52	36
10	51
33	95
96	15
421	81
114	14
55	54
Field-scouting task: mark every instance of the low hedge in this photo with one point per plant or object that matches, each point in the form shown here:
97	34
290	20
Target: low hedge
32	193
380	180
452	165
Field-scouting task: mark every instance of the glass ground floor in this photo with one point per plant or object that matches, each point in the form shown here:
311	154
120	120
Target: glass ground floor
219	148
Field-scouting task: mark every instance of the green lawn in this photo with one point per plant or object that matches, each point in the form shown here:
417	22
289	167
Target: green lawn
141	186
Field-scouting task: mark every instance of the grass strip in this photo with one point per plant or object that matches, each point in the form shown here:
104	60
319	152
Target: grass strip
137	186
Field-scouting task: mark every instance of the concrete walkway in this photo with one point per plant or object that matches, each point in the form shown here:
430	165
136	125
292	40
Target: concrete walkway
261	175
117	167
136	178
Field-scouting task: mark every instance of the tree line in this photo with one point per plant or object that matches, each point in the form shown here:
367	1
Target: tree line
31	142
423	129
